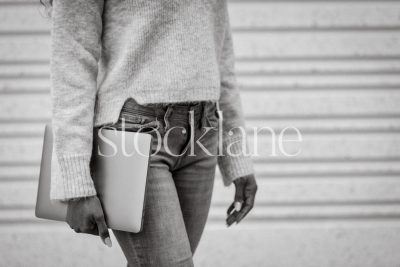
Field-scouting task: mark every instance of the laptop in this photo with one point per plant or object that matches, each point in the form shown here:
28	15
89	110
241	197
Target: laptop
119	165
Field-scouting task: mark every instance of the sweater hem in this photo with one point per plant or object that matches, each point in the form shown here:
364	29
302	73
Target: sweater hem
108	108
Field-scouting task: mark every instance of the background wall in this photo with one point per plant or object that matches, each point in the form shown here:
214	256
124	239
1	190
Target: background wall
330	68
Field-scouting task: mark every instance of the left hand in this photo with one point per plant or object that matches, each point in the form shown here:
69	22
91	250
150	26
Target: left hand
246	188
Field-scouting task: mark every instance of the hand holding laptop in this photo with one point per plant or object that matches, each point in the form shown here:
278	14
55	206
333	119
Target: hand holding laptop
120	180
85	215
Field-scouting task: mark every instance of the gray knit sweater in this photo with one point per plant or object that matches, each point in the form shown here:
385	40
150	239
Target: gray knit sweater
155	51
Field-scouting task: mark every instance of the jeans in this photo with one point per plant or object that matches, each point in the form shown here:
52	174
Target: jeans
180	181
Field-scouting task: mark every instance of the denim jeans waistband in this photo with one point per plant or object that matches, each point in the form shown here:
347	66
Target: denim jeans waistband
171	111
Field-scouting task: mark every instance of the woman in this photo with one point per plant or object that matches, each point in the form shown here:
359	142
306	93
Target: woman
165	65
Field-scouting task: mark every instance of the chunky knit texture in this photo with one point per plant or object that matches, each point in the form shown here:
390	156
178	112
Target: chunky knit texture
155	51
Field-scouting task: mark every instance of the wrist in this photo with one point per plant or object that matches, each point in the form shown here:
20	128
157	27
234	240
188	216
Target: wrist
243	178
76	199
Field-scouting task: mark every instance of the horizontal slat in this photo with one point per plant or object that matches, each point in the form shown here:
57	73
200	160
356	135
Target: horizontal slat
26	107
321	81
302	66
327	125
346	146
218	214
18	2
297	104
19	86
22	194
30	47
328	246
247	45
25	71
249	67
12	130
314	213
19	172
311	66
314	14
314	192
325	103
23	18
329	68
301	246
271	169
262	82
271	192
250	15
298	169
315	168
250	45
328	146
20	150
62	246
314	126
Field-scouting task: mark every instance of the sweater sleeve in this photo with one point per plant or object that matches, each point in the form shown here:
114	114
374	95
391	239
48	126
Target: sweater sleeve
234	162
75	51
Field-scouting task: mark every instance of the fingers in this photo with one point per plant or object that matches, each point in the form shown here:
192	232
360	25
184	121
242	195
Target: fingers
230	209
85	215
93	231
244	200
91	228
237	216
231	218
237	206
250	193
88	227
103	230
239	193
247	207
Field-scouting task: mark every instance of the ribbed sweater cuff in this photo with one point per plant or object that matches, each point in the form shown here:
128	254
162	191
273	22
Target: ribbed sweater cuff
235	164
76	178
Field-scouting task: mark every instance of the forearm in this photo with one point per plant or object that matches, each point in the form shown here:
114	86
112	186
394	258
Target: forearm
75	51
235	161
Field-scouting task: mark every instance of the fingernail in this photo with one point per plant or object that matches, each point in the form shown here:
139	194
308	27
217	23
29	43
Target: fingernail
107	242
238	206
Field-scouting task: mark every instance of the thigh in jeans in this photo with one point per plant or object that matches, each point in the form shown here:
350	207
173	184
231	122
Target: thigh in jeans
163	240
194	179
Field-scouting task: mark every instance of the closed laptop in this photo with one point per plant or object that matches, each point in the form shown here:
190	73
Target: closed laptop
119	167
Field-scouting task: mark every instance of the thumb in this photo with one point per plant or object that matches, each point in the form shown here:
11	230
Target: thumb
103	230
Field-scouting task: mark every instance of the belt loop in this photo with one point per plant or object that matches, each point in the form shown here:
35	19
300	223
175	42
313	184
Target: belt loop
166	117
204	115
219	112
191	119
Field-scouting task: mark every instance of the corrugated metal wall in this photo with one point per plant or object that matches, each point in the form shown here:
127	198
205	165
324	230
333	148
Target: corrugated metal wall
329	68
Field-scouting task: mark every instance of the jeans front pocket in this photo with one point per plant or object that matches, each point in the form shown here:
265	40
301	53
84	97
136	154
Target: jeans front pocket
137	119
123	125
212	115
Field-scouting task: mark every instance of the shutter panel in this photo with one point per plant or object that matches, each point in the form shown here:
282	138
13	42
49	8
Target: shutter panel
329	68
